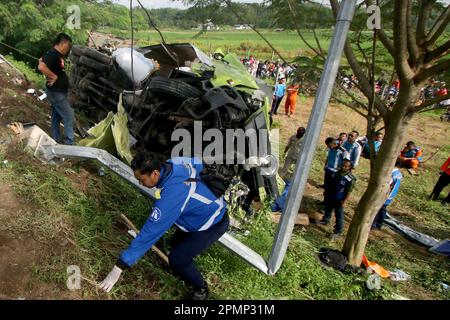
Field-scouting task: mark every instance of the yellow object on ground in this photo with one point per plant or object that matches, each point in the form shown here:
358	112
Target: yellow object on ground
111	134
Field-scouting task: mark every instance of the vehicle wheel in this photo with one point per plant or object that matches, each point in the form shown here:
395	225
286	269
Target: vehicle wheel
94	54
77	50
74	59
175	88
91	63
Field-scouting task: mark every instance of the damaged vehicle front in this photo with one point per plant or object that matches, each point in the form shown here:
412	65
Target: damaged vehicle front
177	88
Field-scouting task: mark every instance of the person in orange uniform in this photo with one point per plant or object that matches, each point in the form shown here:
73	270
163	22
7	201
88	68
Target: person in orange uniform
291	100
410	156
442	182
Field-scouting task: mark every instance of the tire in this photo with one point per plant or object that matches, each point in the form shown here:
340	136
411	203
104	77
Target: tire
93	64
77	50
74	59
175	88
94	54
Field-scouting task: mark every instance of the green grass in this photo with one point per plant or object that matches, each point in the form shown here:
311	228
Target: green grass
91	220
30	73
241	42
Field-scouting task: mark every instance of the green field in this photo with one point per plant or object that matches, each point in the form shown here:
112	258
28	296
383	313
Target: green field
241	42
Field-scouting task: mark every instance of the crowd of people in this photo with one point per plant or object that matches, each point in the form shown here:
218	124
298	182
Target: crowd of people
343	157
268	69
389	91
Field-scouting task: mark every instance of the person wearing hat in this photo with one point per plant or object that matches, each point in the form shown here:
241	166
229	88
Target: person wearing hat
292	150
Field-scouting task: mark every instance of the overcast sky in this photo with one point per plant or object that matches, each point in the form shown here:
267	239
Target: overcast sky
166	3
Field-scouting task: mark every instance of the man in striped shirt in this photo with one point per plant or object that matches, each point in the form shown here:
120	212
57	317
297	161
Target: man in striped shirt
353	148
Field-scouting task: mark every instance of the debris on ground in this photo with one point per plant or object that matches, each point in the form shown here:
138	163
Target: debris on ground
101	172
16	127
373	282
442	248
35	93
399	275
412	172
374	267
395	296
301	219
409	233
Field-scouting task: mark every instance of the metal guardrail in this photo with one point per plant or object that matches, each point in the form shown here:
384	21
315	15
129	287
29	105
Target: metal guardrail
51	152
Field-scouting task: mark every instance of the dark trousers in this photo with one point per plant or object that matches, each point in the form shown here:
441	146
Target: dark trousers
442	182
327	176
61	111
275	104
187	245
336	205
379	218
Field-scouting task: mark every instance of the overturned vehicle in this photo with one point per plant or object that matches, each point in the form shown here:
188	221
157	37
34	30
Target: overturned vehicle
165	88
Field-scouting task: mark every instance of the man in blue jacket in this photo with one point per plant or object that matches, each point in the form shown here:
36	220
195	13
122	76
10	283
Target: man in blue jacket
396	180
338	189
335	156
278	94
353	148
201	219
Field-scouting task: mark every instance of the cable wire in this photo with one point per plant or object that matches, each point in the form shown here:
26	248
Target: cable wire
18	50
132	58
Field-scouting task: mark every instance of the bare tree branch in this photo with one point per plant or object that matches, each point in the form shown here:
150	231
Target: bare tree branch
428	103
349	105
424	14
413	48
230	5
317	41
366	60
427	73
297	27
352	96
387	43
404	71
438	52
363	81
439	27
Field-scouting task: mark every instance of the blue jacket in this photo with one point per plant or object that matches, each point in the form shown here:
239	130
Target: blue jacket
280	90
412	153
354	152
366	148
185	201
396	180
339	185
334	158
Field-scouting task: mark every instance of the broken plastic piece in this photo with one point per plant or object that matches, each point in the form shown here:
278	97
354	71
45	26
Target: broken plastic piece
399	275
132	233
373	282
142	67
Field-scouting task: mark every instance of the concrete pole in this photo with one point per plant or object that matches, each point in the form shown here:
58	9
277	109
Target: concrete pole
286	225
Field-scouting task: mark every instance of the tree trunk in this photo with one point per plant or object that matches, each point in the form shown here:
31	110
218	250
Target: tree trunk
380	175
